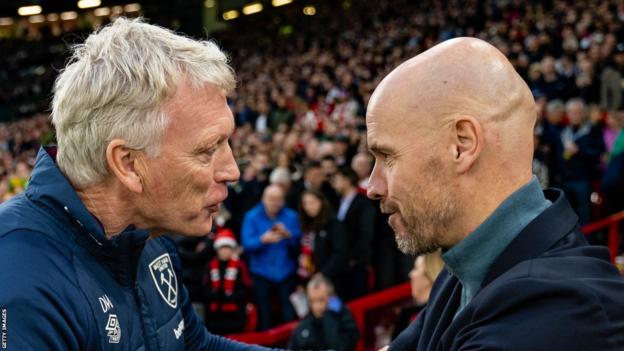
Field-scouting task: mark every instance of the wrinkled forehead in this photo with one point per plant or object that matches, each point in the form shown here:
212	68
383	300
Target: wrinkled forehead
199	115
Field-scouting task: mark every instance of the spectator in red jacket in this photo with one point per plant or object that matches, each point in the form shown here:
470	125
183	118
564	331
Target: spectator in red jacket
226	287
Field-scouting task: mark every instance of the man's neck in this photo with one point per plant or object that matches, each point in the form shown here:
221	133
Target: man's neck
349	192
272	216
483	206
107	208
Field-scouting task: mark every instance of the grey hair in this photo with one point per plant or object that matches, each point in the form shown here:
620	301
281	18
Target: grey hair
555	105
575	101
319	280
280	175
115	85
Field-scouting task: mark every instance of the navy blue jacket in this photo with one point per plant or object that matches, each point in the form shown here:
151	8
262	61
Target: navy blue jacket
548	291
584	164
66	287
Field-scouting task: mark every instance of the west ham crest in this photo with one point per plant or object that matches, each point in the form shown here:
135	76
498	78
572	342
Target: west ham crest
165	279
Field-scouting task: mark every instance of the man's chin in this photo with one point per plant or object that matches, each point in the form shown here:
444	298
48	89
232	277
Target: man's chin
405	246
409	245
401	235
197	230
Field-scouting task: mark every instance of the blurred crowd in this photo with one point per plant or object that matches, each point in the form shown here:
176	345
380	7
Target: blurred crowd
27	72
19	143
299	208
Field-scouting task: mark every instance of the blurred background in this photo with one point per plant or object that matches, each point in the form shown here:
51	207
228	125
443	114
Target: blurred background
306	70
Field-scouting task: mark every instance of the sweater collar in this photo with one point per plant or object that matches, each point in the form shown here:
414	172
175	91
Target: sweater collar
471	259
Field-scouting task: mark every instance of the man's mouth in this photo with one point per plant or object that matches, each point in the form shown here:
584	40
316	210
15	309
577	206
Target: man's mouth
387	208
395	222
214	208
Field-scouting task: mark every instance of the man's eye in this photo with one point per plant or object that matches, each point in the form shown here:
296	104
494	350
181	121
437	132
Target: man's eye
387	159
207	154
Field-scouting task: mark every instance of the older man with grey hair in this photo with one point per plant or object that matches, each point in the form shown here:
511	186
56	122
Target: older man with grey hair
582	148
328	325
142	126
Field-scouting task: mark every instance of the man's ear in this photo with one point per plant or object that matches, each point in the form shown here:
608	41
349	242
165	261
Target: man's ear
122	162
467	142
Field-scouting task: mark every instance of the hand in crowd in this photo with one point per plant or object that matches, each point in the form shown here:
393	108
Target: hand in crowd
272	236
281	231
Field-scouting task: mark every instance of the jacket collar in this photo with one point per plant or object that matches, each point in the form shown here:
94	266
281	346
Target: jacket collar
542	233
471	259
538	236
50	189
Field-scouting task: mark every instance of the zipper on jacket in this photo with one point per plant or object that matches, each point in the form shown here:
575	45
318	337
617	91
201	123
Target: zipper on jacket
150	336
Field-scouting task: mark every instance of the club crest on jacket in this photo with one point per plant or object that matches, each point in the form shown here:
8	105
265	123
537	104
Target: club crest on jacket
165	279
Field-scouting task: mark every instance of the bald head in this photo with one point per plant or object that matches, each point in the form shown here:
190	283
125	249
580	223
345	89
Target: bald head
451	131
361	164
468	71
460	77
273	199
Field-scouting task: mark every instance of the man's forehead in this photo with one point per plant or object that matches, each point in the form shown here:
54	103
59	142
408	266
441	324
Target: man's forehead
208	123
389	102
382	123
374	101
389	93
273	193
318	289
376	118
381	146
388	133
201	105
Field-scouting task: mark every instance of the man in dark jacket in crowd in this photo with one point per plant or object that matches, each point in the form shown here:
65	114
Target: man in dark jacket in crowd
329	325
357	215
451	131
314	178
611	90
582	147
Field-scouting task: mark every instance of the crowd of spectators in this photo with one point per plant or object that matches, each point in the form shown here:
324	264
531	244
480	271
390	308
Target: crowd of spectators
299	110
19	143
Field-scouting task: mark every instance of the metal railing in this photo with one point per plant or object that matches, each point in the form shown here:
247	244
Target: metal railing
613	235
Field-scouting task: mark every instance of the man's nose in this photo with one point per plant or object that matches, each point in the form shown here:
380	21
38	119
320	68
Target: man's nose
227	170
377	186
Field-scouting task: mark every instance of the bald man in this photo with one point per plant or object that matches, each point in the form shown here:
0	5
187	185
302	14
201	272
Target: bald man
451	131
270	236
